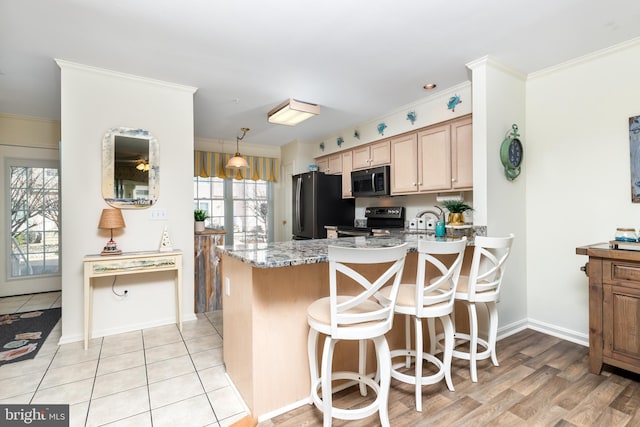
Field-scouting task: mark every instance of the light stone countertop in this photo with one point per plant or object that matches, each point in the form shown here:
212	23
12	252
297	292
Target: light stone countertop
298	252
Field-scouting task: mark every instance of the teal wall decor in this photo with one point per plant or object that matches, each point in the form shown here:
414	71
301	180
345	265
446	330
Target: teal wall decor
411	116
356	134
453	101
322	146
381	127
340	141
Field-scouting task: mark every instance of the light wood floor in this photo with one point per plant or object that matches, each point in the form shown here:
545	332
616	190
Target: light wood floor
541	381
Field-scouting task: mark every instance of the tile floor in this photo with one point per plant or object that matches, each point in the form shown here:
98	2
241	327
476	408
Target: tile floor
151	377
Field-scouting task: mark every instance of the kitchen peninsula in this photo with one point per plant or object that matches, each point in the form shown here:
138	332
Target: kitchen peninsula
266	290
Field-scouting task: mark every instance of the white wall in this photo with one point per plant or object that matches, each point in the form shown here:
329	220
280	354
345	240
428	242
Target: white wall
498	103
93	101
578	176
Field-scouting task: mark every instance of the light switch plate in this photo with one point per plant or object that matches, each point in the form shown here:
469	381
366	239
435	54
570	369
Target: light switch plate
158	215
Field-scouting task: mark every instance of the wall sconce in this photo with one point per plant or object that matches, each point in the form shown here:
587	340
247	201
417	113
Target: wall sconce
143	167
291	112
237	161
111	218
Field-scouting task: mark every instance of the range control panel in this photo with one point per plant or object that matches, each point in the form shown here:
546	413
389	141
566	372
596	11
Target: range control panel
396	212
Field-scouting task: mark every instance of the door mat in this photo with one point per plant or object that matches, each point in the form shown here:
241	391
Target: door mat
22	334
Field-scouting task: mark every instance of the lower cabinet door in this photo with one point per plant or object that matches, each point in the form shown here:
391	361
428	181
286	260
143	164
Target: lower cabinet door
621	325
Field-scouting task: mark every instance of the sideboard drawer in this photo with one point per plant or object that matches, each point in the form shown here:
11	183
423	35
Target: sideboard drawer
616	272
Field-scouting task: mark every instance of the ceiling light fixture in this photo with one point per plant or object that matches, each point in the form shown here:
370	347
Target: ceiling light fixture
291	112
237	161
429	86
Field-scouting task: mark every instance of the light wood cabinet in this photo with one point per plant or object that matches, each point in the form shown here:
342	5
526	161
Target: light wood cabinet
614	307
404	164
347	166
335	164
443	159
462	154
434	158
370	155
331	164
323	164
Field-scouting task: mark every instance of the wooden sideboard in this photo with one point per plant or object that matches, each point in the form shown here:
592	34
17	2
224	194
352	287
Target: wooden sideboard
207	270
614	307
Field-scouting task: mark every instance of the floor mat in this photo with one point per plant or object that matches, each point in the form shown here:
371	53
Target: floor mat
22	334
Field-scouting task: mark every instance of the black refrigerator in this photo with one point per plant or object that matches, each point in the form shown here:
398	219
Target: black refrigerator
317	201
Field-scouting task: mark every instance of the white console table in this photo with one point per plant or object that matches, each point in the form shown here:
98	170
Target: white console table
129	263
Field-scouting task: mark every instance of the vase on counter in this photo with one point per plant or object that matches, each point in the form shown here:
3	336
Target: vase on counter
456	218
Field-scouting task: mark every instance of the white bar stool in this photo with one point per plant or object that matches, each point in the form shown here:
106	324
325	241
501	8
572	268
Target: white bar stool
355	317
422	300
482	286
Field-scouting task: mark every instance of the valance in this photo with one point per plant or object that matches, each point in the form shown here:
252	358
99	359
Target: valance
210	164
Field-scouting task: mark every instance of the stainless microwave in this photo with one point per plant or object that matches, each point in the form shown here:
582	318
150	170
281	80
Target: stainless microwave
370	182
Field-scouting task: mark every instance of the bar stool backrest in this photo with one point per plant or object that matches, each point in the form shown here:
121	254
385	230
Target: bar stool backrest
488	266
355	317
441	289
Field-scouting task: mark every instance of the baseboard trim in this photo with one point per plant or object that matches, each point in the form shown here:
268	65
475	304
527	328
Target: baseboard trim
545	328
98	333
512	329
284	409
268	415
559	332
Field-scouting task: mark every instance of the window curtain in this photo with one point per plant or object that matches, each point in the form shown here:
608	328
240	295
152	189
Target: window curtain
210	164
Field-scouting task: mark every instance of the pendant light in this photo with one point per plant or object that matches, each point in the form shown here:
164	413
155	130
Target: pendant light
237	161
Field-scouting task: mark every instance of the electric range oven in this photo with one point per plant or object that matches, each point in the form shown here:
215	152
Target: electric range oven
379	222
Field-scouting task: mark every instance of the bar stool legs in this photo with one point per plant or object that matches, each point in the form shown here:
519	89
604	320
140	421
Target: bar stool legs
324	381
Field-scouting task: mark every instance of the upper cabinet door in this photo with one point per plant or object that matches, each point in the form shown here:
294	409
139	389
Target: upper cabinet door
361	157
375	154
404	164
323	164
462	153
335	164
380	153
434	158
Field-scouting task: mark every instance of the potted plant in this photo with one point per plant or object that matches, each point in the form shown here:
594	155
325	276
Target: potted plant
456	209
200	215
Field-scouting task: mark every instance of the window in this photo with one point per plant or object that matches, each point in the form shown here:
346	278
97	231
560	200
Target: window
34	218
238	205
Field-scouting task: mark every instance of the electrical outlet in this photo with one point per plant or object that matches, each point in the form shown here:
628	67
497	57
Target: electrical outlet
227	286
158	215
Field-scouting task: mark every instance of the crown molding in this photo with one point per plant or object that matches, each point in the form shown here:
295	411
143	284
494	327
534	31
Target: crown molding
586	58
488	60
73	65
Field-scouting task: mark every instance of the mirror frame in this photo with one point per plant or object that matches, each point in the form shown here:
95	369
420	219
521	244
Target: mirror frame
108	168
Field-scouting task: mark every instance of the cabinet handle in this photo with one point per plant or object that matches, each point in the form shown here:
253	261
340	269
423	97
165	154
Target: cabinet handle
585	268
453	180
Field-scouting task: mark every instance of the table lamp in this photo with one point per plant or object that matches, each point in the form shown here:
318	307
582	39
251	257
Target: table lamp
110	219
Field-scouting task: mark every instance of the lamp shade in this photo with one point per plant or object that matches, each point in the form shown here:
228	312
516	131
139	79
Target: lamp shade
292	112
111	218
237	161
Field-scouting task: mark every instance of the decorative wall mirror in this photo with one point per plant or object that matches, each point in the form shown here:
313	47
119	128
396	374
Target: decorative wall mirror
130	170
